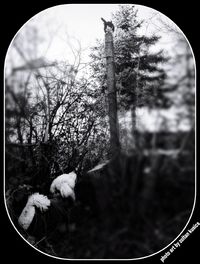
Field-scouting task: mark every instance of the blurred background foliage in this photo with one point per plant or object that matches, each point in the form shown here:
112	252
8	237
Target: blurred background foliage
56	120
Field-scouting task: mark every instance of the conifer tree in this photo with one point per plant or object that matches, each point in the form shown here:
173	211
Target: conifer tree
139	73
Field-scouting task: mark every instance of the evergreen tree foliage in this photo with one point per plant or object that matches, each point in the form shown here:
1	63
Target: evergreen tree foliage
140	76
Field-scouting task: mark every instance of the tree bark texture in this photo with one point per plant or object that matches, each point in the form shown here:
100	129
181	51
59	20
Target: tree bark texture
112	98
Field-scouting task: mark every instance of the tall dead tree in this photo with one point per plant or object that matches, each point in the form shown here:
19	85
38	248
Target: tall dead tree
111	88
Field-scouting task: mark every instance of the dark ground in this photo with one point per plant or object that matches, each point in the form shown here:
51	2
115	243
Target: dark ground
133	207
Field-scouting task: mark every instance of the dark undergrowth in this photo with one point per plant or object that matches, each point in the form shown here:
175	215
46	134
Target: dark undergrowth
132	207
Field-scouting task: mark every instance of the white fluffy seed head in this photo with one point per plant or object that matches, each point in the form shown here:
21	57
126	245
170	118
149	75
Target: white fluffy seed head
65	184
35	200
40	201
66	191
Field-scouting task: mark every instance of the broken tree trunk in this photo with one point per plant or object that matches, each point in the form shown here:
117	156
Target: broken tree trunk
112	97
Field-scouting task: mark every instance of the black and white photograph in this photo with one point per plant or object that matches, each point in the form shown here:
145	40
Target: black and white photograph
100	133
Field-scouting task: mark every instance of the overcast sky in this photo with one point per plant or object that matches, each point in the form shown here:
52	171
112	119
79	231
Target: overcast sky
60	24
82	22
